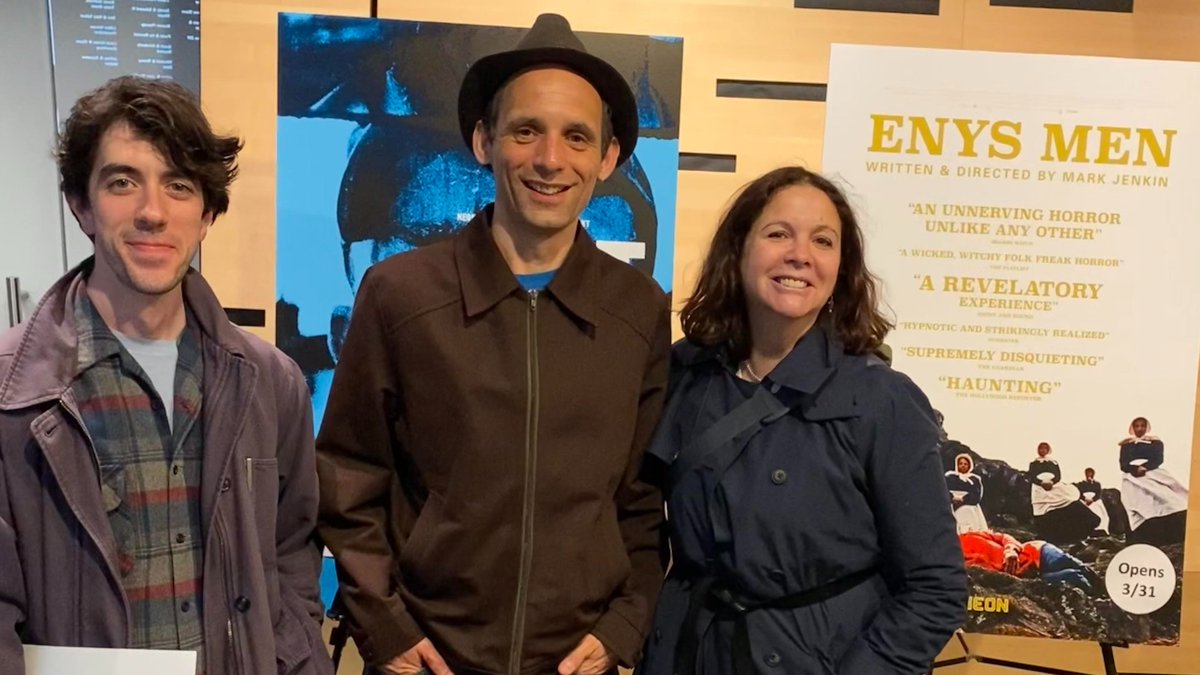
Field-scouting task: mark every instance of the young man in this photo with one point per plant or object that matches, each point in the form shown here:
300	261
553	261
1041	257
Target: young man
157	477
480	451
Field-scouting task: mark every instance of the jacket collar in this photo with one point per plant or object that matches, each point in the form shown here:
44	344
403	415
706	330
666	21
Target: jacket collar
486	279
808	370
45	362
810	363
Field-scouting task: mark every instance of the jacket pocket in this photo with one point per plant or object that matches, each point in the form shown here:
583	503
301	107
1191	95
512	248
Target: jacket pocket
292	647
416	569
605	563
262	486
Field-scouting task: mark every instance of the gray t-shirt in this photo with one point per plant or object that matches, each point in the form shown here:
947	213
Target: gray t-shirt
158	358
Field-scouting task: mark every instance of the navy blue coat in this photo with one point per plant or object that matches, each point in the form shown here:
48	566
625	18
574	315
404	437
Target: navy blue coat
848	481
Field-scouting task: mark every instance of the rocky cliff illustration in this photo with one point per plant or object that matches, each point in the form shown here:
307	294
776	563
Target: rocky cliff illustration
1038	549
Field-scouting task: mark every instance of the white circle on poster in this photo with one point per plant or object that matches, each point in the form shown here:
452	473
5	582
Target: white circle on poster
1140	579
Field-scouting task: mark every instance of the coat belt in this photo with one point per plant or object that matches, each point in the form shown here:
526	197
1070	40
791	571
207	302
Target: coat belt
728	604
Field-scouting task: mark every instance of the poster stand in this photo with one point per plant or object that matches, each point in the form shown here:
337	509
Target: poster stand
1110	662
1106	653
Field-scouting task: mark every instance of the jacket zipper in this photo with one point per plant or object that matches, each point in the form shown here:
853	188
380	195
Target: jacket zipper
234	664
232	651
531	428
235	654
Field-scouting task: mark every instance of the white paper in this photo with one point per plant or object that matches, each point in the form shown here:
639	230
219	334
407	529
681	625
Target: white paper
41	660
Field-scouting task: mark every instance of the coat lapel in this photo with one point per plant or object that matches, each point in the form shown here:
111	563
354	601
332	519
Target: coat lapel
71	462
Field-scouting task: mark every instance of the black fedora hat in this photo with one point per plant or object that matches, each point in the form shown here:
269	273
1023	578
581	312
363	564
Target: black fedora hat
549	41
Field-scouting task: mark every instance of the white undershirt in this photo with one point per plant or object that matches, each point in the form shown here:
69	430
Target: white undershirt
158	358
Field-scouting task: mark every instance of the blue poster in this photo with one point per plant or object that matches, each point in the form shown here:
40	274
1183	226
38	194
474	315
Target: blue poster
371	163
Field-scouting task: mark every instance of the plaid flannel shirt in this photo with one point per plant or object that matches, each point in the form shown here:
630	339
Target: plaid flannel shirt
150	479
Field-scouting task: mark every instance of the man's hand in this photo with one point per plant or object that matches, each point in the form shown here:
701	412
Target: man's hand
1139	471
421	657
957	501
589	658
1047	486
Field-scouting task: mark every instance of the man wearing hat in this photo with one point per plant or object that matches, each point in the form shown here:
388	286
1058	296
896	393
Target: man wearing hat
479	454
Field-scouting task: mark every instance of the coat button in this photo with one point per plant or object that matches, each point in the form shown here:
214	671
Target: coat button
772	659
242	604
779	476
180	538
777	576
225	484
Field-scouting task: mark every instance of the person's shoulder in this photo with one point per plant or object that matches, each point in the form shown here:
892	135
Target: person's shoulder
880	392
692	363
409	283
630	296
686	354
686	351
873	377
626	288
417	267
269	359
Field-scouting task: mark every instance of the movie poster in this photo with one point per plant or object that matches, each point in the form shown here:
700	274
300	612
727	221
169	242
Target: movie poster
371	163
1035	222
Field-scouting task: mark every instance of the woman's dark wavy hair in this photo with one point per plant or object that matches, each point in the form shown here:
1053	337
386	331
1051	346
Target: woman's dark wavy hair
163	113
716	314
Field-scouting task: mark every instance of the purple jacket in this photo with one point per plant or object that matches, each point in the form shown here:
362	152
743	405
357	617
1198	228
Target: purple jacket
59	579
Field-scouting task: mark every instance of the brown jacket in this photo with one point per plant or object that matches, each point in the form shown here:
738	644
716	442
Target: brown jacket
479	456
59	579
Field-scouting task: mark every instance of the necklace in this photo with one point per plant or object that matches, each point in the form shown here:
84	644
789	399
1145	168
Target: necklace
747	373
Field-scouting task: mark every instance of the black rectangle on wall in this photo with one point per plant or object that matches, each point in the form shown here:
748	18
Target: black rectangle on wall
895	6
1093	5
783	91
701	161
256	318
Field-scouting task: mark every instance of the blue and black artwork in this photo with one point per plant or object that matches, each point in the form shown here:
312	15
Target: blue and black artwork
370	162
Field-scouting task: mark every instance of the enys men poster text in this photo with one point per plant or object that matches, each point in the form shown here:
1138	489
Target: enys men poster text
1035	220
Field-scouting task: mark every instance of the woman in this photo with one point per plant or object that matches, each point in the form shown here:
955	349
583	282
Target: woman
966	491
809	522
1058	514
1091	493
1156	502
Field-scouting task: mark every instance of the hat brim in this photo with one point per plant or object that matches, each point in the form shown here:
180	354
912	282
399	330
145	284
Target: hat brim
489	73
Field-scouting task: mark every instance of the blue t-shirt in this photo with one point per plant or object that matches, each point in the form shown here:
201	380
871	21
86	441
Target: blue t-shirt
535	282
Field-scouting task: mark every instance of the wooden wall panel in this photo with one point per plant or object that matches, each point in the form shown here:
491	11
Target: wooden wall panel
238	76
1157	29
764	40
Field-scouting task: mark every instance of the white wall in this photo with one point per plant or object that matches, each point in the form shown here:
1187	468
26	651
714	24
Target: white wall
31	223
